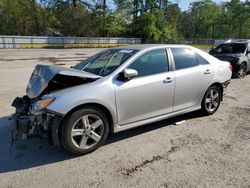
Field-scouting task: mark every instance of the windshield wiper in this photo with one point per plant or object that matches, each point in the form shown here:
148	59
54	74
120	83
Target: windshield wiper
104	68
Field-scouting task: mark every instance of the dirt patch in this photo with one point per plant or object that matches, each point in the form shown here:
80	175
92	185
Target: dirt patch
242	126
190	139
130	171
231	97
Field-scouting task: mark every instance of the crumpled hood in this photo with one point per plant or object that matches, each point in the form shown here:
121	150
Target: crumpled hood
47	78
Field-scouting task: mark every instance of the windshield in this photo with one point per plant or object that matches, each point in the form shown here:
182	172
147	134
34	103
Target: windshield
230	48
106	61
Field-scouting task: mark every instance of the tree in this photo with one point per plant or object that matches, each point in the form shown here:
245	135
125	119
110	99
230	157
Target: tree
18	17
155	21
201	19
236	16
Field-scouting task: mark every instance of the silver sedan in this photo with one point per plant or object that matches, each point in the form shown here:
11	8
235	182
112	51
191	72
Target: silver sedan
118	89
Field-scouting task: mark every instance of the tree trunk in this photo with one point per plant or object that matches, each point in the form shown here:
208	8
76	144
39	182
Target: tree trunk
104	17
135	12
37	28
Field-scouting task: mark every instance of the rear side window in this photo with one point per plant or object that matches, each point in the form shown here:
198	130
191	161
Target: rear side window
184	58
201	60
152	62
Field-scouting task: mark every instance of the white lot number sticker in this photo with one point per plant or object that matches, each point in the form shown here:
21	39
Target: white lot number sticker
125	51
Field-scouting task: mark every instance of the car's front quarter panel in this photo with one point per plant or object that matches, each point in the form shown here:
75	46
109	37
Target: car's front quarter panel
99	92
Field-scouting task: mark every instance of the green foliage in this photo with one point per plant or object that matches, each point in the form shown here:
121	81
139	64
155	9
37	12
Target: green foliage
116	24
74	21
201	19
206	19
24	17
155	21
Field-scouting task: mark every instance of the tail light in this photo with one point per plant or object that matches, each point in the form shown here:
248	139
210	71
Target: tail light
231	67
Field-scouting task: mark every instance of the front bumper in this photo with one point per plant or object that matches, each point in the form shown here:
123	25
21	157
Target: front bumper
43	124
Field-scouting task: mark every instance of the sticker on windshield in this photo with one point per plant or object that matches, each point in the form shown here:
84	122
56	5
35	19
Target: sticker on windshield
125	51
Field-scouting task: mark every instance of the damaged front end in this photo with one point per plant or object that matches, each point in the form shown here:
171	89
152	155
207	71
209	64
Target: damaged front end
29	123
32	118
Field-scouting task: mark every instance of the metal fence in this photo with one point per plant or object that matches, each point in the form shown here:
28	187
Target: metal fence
202	41
211	42
39	42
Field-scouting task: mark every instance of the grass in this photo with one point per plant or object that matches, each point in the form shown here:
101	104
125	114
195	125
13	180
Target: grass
203	46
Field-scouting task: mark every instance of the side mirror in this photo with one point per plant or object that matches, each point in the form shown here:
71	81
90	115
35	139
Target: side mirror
130	73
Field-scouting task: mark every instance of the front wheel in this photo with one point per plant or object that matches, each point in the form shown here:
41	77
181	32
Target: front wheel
84	131
211	100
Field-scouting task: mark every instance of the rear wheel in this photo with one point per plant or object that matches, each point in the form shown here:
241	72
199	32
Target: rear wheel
241	73
84	131
211	100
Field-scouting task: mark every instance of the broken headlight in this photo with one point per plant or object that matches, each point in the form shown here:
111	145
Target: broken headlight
41	104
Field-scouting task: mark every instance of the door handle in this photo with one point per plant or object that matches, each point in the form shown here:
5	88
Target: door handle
168	80
207	71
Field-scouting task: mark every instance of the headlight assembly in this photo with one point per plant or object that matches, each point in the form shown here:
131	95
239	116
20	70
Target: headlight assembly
41	104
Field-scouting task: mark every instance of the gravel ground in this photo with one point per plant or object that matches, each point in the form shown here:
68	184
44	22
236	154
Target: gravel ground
211	151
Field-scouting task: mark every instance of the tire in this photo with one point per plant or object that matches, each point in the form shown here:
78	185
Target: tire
211	100
84	131
242	72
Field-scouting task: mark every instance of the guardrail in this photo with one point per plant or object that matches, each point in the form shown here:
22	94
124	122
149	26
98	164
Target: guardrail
65	42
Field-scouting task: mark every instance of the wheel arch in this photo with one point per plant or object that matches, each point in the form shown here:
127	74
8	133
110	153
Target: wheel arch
244	61
248	68
95	105
220	86
203	106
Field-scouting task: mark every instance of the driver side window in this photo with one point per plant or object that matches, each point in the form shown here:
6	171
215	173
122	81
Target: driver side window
152	62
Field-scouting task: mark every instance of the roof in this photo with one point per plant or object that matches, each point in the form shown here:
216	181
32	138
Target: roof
149	46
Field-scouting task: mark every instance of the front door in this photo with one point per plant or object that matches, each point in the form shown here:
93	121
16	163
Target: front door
150	94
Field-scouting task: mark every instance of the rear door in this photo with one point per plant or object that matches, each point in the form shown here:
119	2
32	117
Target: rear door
193	75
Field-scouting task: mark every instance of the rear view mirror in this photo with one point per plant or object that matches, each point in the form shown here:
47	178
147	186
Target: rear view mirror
130	73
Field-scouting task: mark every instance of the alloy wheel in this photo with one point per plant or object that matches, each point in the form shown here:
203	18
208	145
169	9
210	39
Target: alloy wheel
87	131
243	71
212	100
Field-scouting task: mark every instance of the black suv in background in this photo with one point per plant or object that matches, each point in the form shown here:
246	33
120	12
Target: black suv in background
237	53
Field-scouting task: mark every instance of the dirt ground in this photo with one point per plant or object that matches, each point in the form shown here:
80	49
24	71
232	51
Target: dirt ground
211	151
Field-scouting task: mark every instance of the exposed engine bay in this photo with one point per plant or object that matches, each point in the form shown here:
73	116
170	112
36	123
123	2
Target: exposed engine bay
31	118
